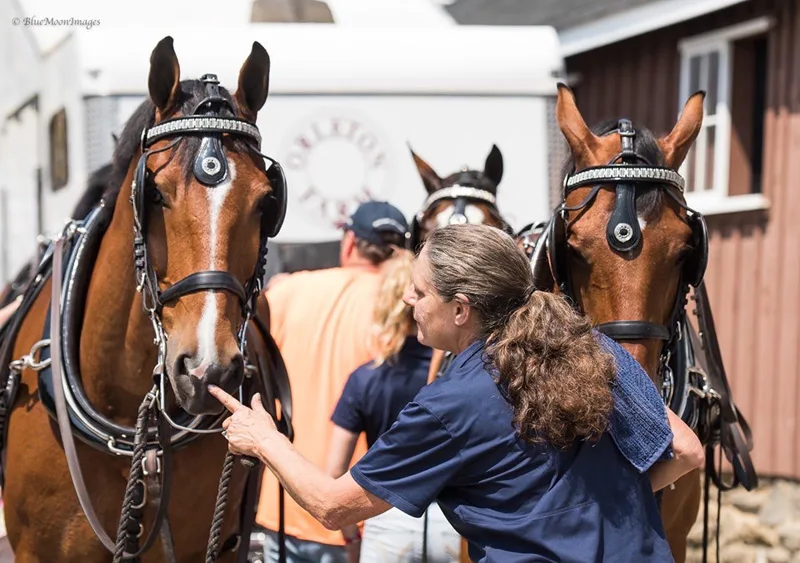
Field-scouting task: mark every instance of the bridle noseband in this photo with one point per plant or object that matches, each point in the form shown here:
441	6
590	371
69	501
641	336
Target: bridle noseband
210	168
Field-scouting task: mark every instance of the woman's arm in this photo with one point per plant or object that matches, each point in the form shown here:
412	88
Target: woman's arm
340	452
688	452
336	503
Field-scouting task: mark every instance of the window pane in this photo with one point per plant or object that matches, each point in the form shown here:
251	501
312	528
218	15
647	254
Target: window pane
690	169
694	73
59	170
713	79
709	164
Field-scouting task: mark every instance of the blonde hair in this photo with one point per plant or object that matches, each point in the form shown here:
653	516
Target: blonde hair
392	319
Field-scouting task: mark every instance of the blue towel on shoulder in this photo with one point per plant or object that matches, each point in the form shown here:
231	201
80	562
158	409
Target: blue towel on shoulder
639	425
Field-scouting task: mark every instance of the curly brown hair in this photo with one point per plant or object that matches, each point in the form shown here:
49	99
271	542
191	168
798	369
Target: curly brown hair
551	367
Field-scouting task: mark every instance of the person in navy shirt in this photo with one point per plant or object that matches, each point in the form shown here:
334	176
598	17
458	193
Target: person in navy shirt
372	398
522	441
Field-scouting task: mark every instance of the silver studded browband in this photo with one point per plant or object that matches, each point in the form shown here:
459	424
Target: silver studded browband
625	172
202	125
459	191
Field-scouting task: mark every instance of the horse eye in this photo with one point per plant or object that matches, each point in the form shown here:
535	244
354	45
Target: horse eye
156	196
575	253
265	205
684	253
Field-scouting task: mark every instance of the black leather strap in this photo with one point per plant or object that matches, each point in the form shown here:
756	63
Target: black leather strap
622	231
736	438
203	281
633	330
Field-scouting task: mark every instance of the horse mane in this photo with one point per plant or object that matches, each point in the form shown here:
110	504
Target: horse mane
191	93
97	185
648	199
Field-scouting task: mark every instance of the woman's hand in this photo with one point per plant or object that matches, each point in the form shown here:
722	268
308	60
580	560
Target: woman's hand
248	429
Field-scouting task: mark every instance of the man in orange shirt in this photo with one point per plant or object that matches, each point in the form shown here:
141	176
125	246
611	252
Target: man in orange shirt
320	321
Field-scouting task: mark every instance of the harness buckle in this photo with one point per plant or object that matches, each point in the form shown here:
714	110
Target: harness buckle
28	361
144	495
111	444
152	471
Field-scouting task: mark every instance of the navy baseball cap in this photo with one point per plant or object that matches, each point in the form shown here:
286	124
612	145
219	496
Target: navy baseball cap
373	218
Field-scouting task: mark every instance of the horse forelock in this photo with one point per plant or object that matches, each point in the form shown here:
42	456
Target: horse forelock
650	199
191	93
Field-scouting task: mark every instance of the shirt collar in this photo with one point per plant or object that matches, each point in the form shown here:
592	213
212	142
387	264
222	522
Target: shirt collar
468	354
415	350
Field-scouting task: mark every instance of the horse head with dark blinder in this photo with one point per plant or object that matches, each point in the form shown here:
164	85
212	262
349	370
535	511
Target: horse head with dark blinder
624	248
467	196
144	300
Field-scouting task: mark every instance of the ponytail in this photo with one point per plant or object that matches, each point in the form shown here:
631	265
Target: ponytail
555	373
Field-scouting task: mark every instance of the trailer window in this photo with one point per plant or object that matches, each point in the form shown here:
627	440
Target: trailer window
59	167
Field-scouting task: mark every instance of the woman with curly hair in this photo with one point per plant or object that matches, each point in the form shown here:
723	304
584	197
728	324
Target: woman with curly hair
372	398
543	441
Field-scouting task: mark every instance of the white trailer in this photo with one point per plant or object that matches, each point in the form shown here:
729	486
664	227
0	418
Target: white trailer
345	103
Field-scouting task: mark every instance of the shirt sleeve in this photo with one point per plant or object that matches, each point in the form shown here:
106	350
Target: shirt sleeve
639	424
349	411
411	462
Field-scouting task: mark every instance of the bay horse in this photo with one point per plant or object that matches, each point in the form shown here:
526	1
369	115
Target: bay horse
466	196
634	287
624	248
173	255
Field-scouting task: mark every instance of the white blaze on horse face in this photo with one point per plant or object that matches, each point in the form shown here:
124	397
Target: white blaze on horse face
474	214
207	349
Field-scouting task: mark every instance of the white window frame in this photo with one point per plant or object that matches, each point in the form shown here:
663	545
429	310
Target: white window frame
717	198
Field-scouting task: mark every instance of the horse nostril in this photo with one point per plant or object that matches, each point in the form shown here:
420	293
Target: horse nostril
180	367
186	364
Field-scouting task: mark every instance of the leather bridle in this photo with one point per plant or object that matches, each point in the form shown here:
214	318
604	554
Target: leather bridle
210	169
628	171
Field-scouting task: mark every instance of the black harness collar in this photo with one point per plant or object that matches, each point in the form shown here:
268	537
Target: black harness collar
92	427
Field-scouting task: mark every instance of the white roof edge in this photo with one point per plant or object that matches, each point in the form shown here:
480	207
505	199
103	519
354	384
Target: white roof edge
330	59
633	22
371	12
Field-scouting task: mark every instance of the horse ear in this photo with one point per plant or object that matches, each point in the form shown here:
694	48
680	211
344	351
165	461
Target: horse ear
677	143
582	142
493	168
253	81
430	178
165	76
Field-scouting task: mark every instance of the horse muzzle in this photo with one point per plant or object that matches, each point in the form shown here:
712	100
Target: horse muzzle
191	378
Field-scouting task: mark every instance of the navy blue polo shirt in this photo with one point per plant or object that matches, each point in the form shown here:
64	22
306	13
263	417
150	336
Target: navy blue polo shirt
514	501
374	396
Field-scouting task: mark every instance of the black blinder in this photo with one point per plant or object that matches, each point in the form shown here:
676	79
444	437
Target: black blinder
275	213
695	266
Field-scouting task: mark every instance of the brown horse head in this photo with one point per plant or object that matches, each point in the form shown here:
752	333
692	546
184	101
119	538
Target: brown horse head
467	196
205	199
627	251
